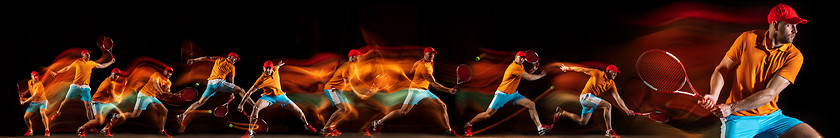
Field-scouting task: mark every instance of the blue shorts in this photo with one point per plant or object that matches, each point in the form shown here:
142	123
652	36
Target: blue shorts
336	97
588	103
771	125
415	95
102	108
79	92
500	98
143	101
282	99
37	106
217	85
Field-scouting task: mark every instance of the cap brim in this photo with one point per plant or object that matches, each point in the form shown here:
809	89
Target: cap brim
796	20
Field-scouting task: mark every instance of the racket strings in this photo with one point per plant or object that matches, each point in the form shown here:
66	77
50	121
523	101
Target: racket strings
661	71
463	73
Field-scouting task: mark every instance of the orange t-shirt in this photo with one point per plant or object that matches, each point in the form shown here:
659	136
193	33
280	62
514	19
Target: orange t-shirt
337	81
222	67
511	78
270	84
757	64
108	91
156	80
83	70
421	71
36	89
598	83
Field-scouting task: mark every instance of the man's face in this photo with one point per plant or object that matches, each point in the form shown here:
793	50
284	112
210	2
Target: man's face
785	32
519	59
34	78
354	58
115	76
612	74
428	56
167	73
86	56
267	70
233	59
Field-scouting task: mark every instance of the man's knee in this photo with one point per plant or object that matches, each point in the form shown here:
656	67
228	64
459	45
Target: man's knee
487	114
163	109
583	122
532	105
605	106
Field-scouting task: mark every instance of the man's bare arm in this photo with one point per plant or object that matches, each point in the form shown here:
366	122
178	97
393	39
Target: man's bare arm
774	87
532	77
106	64
709	100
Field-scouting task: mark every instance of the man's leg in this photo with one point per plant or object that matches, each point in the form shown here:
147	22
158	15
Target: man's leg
445	113
89	110
801	130
241	92
295	109
482	116
192	107
96	121
579	119
404	109
27	117
45	119
377	124
258	106
162	112
527	103
338	115
607	108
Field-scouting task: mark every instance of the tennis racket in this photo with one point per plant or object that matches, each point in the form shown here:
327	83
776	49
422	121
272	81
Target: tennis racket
187	94
107	44
20	93
663	72
533	58
222	110
655	116
463	74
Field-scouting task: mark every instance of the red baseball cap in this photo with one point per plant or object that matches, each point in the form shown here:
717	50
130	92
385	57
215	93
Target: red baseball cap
785	13
520	53
34	73
170	69
116	71
85	51
354	53
268	63
234	55
613	68
429	50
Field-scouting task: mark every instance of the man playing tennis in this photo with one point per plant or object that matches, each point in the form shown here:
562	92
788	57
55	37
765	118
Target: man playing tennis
37	104
109	92
334	90
158	84
269	82
507	93
419	90
79	89
765	62
221	79
599	83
